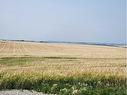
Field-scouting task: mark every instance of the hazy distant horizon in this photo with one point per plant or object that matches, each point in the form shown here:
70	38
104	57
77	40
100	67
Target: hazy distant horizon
96	21
53	41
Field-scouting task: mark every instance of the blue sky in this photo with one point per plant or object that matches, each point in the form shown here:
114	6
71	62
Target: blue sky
63	20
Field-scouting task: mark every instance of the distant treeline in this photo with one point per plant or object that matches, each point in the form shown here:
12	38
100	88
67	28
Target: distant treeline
83	43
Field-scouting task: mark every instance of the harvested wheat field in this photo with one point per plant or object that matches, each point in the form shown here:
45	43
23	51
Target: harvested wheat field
64	69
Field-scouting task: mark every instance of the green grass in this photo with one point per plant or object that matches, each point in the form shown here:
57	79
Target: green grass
81	85
11	61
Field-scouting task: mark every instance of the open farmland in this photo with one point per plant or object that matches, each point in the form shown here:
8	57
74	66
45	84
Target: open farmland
65	69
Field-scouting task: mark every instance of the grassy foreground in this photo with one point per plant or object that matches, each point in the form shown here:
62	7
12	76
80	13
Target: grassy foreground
86	84
57	78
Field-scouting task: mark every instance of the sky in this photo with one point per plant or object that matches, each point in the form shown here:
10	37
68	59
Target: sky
102	21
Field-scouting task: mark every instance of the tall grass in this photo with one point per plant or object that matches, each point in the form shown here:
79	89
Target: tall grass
85	84
60	75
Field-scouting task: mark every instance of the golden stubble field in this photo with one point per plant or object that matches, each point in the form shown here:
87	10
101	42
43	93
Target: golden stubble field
62	59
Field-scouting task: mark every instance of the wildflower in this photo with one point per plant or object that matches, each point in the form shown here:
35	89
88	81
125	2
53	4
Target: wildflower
75	92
